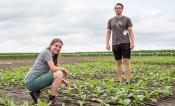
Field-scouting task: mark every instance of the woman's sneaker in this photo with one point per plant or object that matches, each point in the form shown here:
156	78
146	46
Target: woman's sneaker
35	95
52	100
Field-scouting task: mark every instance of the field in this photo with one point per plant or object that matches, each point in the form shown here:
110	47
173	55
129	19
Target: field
93	81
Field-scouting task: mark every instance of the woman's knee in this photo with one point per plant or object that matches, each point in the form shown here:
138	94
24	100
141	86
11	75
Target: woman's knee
58	74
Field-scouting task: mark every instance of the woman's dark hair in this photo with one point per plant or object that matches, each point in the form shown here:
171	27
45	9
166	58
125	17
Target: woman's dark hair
120	5
55	57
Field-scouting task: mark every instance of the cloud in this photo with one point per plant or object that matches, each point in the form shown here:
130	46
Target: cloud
29	25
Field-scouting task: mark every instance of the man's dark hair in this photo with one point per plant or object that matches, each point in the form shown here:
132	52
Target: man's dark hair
120	5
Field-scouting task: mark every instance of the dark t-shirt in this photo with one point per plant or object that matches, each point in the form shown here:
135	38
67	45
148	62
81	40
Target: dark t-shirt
119	27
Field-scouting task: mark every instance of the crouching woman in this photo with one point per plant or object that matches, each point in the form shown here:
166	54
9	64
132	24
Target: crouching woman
45	72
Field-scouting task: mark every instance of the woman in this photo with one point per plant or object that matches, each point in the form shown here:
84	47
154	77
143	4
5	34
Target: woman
45	72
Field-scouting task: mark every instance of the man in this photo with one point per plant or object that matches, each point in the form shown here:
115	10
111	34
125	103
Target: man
122	41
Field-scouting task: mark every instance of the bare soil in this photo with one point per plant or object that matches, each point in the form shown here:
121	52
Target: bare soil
19	95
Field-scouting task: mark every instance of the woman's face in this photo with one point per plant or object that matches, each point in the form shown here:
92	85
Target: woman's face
56	47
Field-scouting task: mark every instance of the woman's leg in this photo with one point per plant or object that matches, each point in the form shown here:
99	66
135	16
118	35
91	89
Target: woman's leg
58	76
39	83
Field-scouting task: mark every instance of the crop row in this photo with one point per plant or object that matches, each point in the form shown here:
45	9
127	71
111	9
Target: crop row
134	53
96	82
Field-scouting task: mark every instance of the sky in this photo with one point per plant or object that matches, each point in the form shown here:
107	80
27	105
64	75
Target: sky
30	25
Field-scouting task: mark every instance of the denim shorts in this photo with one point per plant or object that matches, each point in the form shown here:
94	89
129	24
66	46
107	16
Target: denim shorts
41	82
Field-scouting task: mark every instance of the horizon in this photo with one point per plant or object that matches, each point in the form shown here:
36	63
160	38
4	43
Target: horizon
94	51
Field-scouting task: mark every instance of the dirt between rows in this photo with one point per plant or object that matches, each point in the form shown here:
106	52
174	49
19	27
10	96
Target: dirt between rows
20	95
7	63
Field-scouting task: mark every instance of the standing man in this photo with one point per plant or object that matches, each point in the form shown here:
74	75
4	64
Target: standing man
122	41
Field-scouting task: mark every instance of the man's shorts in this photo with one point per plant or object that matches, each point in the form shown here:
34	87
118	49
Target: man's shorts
40	82
121	51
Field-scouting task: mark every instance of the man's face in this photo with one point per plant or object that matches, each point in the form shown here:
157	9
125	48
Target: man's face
118	9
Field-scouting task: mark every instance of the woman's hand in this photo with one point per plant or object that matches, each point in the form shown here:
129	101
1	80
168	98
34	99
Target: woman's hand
65	72
66	83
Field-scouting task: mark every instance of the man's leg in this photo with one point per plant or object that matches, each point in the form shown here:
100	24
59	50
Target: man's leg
119	69
126	53
127	69
118	58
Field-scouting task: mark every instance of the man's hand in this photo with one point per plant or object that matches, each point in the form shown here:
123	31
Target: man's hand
108	46
132	45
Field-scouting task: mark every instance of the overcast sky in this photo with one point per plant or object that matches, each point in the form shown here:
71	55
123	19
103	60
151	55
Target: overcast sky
30	25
